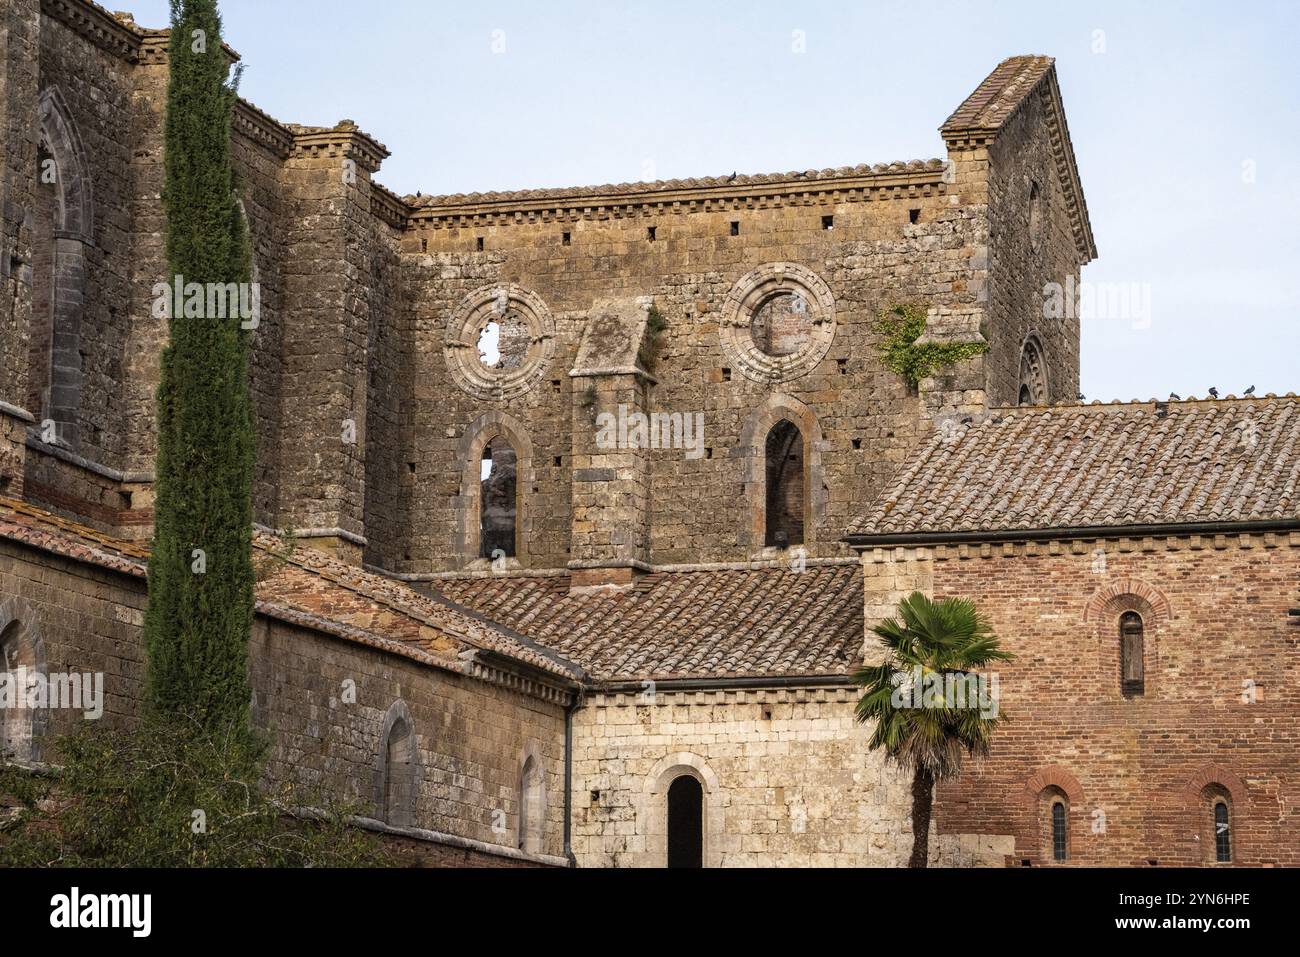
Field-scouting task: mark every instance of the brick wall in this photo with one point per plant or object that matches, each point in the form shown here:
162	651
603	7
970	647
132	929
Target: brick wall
1220	705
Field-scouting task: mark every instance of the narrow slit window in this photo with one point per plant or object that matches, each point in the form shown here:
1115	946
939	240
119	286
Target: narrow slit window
1132	650
1222	833
1060	833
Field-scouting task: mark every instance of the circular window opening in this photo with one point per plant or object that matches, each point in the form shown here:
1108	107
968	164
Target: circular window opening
503	341
781	325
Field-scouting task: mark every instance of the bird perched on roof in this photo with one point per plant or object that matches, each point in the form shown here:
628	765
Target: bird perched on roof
1082	397
1250	391
1214	393
731	177
1175	396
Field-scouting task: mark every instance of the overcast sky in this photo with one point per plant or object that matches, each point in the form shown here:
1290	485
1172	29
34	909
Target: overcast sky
1185	119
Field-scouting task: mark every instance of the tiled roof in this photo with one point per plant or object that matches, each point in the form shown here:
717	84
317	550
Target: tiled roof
707	623
310	580
996	100
999	95
309	588
1125	464
38	528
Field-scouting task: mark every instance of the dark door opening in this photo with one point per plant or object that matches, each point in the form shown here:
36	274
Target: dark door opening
685	823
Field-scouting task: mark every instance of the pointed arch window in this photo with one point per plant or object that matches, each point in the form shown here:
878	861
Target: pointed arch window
17	724
532	811
1132	641
499	506
786	492
61	234
398	786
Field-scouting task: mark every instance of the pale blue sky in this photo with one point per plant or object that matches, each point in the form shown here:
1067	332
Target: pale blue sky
1163	122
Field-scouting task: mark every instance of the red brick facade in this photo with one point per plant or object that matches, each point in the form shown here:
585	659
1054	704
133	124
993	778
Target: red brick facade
1219	715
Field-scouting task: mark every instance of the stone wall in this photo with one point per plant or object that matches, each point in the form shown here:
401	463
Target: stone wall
472	737
788	780
1031	244
873	256
1219	709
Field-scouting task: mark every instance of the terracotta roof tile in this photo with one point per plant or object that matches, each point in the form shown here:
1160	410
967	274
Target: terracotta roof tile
1151	463
707	623
309	588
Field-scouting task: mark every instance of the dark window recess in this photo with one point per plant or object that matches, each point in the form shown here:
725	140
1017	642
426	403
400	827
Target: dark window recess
1060	833
499	500
559	461
650	233
1131	652
857	444
478	244
735	228
1222	837
567	239
913	216
843	365
424	245
555	385
685	823
785	486
708	453
828	222
726	374
411	467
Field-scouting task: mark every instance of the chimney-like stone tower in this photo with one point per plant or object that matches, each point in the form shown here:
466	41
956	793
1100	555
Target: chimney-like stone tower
325	336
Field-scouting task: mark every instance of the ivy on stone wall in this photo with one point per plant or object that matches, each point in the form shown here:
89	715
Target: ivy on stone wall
899	327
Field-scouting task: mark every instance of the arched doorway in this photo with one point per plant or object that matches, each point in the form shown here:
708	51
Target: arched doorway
685	822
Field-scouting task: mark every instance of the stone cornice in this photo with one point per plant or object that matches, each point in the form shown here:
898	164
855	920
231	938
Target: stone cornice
842	692
261	127
1068	170
1083	546
96	24
346	141
506	673
388	206
824	188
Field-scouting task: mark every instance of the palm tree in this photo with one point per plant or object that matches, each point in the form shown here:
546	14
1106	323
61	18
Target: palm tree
920	695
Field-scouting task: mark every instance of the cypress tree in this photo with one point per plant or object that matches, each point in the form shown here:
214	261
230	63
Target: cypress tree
200	570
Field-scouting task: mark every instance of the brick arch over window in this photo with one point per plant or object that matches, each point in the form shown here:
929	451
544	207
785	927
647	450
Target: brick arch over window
1216	774
1206	787
469	504
1053	776
657	784
60	242
1128	594
1105	612
21	645
753	449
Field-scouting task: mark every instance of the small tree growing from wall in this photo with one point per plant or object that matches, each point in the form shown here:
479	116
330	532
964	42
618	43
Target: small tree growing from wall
200	569
927	701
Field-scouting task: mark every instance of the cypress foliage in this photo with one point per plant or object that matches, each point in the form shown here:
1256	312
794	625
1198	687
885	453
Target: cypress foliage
200	571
